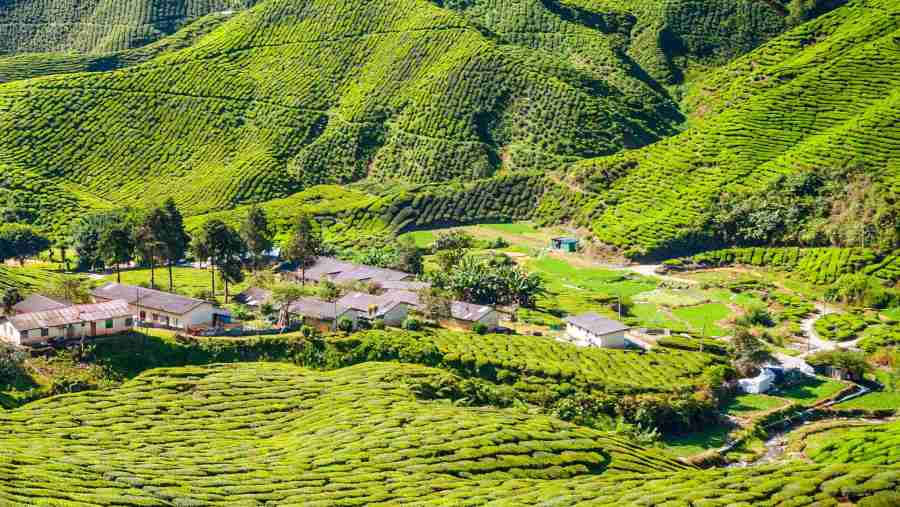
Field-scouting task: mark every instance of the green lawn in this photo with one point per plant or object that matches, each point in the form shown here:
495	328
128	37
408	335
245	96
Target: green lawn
188	281
423	239
812	391
512	228
697	442
747	404
702	317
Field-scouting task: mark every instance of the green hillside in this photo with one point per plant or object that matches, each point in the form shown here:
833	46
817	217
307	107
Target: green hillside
254	434
30	65
285	96
825	95
97	26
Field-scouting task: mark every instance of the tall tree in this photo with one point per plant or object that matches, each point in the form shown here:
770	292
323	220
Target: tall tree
150	235
224	248
10	298
20	242
71	288
410	257
284	295
84	236
117	246
257	234
304	244
174	239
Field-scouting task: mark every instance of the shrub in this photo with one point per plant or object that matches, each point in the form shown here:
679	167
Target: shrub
412	324
480	328
757	316
345	325
12	363
378	324
452	240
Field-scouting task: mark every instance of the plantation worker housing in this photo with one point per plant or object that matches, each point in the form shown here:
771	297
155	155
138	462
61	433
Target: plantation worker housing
164	309
341	272
71	322
592	330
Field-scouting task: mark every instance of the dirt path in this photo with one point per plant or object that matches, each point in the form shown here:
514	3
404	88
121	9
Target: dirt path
650	270
816	343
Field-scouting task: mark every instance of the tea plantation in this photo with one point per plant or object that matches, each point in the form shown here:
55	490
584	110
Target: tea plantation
97	26
253	434
277	97
822	95
875	444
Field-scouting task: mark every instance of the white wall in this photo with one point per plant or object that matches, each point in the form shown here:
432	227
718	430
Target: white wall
584	338
396	316
202	314
80	330
491	320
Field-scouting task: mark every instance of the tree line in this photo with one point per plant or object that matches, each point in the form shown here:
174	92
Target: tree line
156	237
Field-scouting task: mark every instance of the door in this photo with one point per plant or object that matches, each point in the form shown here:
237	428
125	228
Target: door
93	329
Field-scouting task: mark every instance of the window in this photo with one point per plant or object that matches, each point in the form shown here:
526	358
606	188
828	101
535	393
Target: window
24	335
45	332
129	322
109	323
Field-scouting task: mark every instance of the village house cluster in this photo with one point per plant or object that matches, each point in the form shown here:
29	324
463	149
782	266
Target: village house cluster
395	297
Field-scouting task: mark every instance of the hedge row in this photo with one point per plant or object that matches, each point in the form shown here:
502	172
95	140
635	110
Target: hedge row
819	265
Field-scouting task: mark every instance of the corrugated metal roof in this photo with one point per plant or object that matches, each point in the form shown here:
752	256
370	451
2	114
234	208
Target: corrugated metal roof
254	296
404	285
71	315
340	271
468	312
404	296
596	324
148	298
362	302
40	303
317	308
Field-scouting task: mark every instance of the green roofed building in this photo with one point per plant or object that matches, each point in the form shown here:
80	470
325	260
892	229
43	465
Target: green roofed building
564	244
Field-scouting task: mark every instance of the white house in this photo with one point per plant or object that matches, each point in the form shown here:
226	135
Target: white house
758	384
590	329
72	322
369	307
162	308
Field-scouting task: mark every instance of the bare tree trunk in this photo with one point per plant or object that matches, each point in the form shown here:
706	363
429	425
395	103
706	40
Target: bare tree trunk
118	273
226	290
171	283
212	267
152	273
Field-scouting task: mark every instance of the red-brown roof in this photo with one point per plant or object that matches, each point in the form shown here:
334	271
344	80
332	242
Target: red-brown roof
71	315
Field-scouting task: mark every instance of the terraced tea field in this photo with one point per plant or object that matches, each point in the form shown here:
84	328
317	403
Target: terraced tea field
254	433
877	444
790	103
97	26
279	433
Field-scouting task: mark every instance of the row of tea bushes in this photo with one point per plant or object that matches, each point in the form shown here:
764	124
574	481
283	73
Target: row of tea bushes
255	434
818	265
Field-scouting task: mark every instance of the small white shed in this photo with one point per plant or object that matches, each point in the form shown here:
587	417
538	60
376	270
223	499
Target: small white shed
592	330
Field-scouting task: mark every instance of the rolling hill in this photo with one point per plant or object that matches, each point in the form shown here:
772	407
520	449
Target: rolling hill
252	434
97	26
823	95
449	112
283	96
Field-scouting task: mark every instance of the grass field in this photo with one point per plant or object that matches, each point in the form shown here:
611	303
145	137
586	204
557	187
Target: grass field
187	280
750	404
812	390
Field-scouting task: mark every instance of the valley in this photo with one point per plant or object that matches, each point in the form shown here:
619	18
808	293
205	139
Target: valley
449	252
